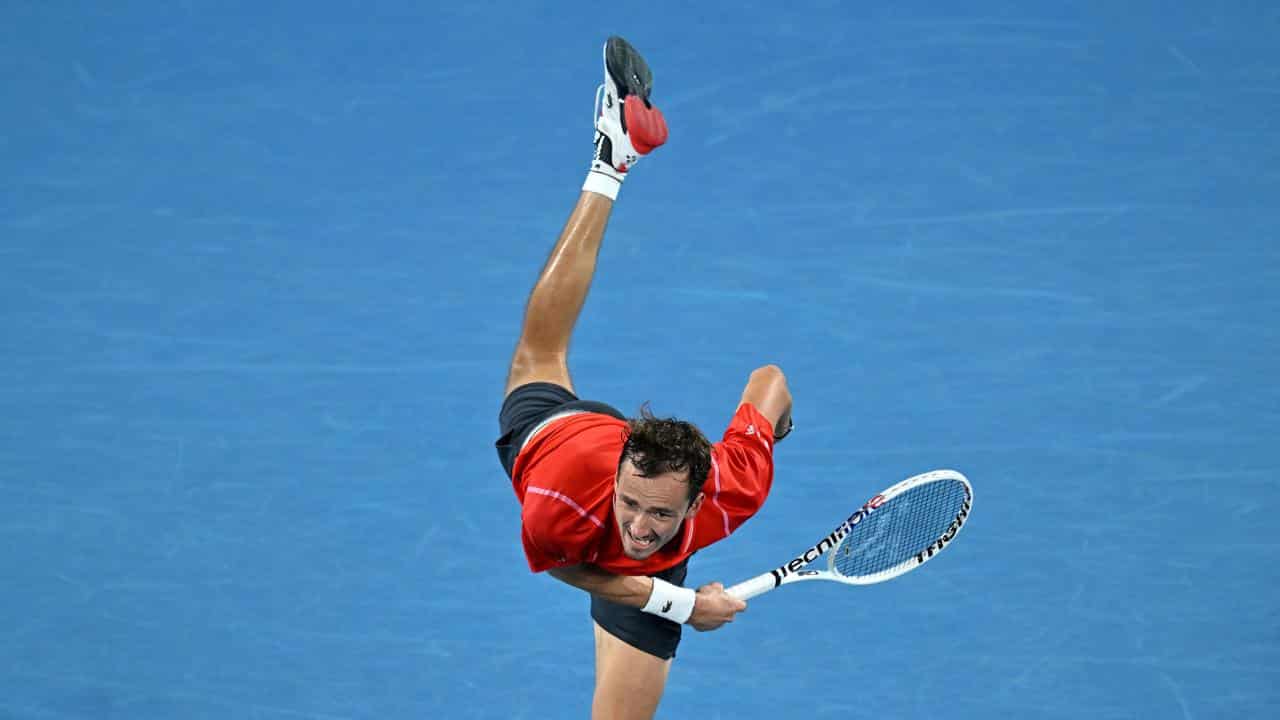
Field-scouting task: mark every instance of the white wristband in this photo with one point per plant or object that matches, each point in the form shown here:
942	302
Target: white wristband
669	601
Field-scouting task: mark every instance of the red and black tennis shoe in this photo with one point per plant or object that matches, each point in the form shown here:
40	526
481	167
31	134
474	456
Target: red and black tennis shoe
628	126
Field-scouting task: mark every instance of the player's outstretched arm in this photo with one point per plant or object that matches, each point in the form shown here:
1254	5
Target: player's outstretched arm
767	391
712	606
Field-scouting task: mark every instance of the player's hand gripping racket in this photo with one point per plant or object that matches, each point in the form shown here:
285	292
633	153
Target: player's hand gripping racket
896	532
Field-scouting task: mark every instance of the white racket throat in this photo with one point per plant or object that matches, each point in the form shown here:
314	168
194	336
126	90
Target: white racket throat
930	510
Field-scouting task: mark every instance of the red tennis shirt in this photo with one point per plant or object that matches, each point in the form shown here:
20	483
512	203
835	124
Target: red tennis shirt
564	478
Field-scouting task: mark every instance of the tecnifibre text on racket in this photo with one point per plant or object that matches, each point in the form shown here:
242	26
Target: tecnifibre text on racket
895	532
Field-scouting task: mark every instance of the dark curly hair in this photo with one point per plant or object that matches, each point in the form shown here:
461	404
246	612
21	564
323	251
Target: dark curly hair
659	445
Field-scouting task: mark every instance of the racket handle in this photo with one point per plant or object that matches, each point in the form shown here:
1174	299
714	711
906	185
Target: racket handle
755	586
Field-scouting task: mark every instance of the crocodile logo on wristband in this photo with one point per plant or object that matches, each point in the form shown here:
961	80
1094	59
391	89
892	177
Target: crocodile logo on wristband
670	602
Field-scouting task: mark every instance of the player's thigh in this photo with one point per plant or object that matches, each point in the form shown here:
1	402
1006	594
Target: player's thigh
528	366
629	681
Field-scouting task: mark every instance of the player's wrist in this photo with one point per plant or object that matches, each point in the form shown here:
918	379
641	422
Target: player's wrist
669	601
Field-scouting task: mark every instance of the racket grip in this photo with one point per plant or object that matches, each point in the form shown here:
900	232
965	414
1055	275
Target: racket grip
755	586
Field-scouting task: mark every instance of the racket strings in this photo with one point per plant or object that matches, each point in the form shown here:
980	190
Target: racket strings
900	529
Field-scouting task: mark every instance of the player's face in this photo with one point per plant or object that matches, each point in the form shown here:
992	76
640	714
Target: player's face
650	509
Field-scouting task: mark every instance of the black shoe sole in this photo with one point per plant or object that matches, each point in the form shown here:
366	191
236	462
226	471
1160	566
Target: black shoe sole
628	69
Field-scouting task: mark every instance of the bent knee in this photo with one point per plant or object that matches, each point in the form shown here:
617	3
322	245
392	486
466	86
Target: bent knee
526	360
533	366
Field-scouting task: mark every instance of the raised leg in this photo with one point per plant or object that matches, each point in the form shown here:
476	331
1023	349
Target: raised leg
542	352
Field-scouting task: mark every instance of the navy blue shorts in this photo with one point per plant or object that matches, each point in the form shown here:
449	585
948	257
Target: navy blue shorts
529	405
522	410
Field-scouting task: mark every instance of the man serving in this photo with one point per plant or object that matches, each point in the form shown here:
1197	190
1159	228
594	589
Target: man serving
611	505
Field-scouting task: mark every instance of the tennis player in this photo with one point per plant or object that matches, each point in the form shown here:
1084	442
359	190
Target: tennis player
611	505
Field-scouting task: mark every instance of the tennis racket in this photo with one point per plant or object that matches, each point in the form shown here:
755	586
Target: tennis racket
895	532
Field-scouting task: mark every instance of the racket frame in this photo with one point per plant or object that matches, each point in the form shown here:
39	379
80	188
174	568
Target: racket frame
796	570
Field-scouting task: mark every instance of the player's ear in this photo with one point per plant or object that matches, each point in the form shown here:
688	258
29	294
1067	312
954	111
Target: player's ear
696	503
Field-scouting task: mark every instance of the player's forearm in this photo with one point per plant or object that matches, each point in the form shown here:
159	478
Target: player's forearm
710	608
629	590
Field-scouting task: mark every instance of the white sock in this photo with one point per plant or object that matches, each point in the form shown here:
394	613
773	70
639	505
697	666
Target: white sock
603	180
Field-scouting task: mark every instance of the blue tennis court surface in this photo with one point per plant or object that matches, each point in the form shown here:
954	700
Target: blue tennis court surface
261	270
